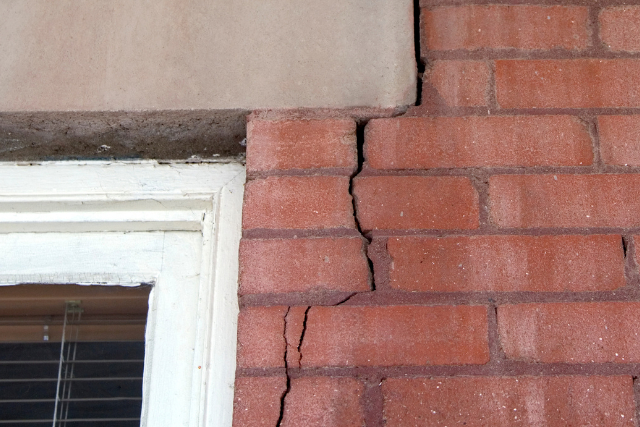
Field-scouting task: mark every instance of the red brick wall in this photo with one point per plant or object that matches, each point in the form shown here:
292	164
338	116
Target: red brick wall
480	266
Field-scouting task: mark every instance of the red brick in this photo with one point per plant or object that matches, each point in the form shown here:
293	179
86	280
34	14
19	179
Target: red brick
568	83
510	401
303	265
453	142
565	200
324	402
605	332
620	139
298	202
636	240
498	27
415	202
507	263
395	335
261	337
620	28
460	83
301	144
257	401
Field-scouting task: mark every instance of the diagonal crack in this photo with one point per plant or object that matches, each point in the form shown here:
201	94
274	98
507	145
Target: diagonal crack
344	300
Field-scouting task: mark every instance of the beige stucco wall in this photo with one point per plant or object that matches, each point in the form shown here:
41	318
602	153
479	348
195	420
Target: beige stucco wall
123	55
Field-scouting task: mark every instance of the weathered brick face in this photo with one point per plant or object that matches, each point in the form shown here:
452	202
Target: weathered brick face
472	261
496	26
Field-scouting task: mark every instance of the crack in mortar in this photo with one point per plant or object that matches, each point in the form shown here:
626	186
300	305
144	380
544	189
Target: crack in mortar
347	298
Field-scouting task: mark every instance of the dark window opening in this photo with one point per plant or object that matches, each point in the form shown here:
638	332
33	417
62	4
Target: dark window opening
93	377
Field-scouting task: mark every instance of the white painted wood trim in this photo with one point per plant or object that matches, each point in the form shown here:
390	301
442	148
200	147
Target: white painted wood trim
177	226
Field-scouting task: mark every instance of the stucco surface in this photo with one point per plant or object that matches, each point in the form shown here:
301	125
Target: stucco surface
115	55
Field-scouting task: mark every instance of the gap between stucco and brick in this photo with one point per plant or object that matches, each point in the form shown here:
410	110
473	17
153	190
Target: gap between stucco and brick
420	64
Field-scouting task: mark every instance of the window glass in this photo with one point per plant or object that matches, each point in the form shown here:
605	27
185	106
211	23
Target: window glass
90	375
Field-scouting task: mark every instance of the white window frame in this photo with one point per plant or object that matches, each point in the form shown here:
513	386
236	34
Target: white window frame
176	226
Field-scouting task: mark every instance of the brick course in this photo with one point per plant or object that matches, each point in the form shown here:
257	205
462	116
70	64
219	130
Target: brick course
281	145
565	200
395	336
507	263
568	83
303	265
454	142
620	28
605	332
620	139
403	202
324	402
461	83
298	202
257	400
509	401
261	341
502	26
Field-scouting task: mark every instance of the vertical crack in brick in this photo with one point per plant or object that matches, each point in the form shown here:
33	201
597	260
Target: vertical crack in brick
304	330
295	324
291	324
360	147
286	367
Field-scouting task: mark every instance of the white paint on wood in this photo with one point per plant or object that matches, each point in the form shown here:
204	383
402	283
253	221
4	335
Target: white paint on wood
73	254
224	309
177	226
115	180
172	343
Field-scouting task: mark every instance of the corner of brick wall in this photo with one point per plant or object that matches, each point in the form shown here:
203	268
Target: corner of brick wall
478	264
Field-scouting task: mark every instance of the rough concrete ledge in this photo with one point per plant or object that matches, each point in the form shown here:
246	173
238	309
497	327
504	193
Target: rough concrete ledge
194	134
